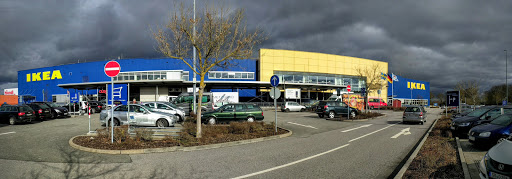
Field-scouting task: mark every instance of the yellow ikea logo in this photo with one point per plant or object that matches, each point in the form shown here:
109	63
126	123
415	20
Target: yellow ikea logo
413	85
44	76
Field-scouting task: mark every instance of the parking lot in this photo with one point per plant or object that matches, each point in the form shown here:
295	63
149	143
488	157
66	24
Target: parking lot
352	147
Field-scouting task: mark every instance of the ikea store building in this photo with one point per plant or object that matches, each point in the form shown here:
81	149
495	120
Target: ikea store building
313	75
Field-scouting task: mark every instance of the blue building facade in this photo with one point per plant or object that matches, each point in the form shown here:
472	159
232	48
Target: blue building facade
42	83
409	91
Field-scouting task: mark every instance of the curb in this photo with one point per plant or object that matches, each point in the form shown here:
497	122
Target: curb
462	160
412	155
176	148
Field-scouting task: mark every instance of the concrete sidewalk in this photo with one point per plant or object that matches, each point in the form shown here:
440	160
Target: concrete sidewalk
472	155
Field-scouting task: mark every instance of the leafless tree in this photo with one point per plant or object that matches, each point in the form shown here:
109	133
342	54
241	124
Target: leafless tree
372	77
221	36
468	90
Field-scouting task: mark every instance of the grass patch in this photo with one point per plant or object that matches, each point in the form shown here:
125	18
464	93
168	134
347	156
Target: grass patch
212	134
437	157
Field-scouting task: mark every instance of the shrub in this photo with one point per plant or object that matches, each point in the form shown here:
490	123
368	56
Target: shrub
187	140
121	134
143	134
238	128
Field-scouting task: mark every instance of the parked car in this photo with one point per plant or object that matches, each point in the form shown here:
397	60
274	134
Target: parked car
166	107
376	103
334	108
292	106
96	106
311	105
16	113
497	162
416	114
56	110
494	132
140	115
41	111
233	112
464	124
185	101
463	113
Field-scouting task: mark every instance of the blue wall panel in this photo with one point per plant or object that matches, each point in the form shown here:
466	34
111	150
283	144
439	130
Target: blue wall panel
93	72
401	89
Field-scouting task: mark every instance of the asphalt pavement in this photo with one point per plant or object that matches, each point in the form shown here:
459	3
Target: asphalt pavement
318	148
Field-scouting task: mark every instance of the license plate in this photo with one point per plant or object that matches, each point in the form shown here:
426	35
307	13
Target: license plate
452	128
66	113
29	114
498	176
472	138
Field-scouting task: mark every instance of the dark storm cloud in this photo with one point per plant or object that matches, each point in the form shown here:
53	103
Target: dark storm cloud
438	41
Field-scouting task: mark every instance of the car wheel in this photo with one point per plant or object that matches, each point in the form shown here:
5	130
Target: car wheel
321	115
54	115
250	119
162	123
212	120
287	110
371	107
12	121
332	114
302	110
501	140
421	122
116	122
179	118
353	114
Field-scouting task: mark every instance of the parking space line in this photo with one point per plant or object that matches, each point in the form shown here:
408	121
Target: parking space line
302	125
291	163
8	133
371	133
348	130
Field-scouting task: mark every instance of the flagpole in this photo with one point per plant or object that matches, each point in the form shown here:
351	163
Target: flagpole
392	100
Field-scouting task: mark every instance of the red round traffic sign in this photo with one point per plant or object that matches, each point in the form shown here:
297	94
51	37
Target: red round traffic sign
112	69
348	88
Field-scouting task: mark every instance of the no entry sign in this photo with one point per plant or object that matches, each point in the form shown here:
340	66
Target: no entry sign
112	69
349	88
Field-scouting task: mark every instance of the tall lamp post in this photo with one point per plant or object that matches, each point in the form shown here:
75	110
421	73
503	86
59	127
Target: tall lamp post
506	73
194	52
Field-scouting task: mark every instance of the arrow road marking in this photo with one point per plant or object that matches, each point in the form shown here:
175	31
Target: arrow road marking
403	132
7	133
371	133
302	125
348	130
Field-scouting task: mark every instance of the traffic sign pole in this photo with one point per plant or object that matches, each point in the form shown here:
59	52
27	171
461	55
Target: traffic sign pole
112	69
112	111
274	81
275	106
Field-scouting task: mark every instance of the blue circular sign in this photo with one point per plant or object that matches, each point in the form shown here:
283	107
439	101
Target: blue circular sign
274	80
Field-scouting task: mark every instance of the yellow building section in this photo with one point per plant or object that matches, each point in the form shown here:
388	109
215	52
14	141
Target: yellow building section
298	61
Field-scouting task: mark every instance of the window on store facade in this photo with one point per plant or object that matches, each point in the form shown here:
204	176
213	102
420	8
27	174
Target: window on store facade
318	78
230	75
151	75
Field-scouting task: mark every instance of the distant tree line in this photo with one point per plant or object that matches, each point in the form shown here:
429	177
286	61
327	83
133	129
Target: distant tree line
471	94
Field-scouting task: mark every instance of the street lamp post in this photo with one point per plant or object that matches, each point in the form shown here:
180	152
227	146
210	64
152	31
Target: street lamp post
194	59
506	74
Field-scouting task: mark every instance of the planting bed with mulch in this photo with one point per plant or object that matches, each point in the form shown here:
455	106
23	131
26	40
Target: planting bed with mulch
235	131
438	156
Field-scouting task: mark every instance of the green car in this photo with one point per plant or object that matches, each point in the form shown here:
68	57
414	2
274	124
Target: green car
233	112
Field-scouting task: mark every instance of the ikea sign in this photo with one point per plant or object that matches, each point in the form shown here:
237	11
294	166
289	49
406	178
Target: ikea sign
413	85
46	75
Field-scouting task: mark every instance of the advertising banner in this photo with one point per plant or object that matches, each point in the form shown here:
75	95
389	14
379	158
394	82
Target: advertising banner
292	93
11	91
354	100
120	94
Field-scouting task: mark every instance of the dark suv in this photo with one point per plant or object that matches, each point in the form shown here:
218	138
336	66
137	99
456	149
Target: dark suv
333	108
233	112
57	111
17	113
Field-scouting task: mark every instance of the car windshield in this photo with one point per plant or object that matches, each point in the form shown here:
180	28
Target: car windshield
477	113
52	105
172	105
503	120
147	108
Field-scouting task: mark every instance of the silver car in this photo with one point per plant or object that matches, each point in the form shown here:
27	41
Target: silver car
166	107
140	115
416	114
497	162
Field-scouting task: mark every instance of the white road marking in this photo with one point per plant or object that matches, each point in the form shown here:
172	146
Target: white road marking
7	133
403	132
111	68
291	163
370	133
302	125
348	130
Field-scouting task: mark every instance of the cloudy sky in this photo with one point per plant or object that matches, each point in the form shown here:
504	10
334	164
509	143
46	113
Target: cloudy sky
441	41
